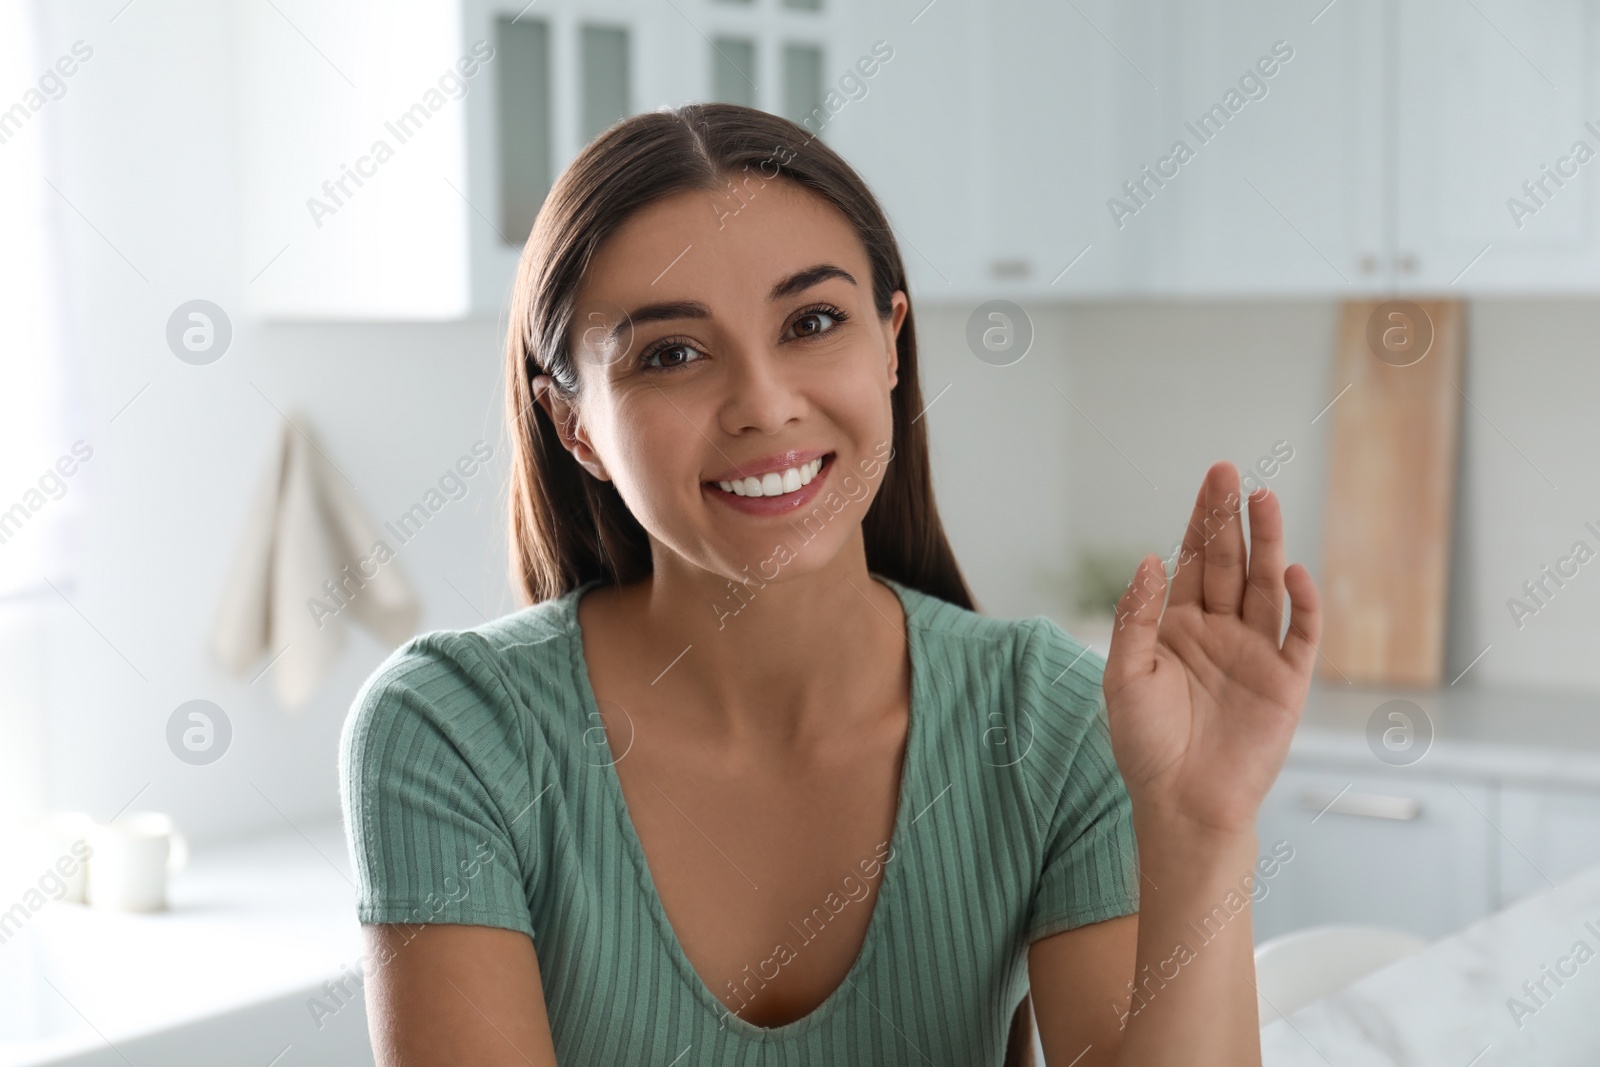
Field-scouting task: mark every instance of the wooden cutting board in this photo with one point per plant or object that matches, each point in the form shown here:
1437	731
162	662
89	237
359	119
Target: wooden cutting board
1391	491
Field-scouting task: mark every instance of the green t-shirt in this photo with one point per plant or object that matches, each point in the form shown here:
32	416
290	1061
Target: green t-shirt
478	788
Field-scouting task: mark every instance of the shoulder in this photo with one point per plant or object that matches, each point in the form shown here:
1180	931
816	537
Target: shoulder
1043	684
442	762
1040	658
484	693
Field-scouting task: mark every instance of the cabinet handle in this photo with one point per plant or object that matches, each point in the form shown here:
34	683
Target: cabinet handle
1369	805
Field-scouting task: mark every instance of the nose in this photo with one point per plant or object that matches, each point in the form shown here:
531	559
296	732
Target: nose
763	393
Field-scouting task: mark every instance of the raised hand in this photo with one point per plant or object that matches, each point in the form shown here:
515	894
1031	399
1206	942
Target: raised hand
1201	699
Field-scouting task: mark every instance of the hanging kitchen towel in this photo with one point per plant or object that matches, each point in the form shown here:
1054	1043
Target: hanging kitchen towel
309	557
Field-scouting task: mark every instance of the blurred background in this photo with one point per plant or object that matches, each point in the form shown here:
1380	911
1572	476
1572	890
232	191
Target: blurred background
254	265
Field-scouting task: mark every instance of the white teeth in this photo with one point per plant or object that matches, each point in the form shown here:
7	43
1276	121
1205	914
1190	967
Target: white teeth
775	483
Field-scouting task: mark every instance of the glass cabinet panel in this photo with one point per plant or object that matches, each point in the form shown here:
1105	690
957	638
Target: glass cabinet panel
523	48
603	62
802	82
733	70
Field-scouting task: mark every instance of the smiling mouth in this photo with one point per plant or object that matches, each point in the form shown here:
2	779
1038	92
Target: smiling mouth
776	484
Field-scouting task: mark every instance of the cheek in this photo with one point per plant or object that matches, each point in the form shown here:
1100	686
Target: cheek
650	452
855	395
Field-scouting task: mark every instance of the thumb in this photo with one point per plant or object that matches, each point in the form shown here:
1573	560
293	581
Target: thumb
1133	635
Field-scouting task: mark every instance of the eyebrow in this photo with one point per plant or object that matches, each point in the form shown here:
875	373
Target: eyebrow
799	281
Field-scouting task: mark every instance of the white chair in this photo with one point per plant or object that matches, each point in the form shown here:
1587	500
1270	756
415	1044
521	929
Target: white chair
1307	965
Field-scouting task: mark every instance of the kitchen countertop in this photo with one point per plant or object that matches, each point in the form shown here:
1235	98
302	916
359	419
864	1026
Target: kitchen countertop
1449	1005
247	922
1511	733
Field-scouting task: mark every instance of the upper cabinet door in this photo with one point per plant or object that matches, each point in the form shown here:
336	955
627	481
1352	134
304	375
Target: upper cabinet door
1497	144
1070	111
910	132
1271	121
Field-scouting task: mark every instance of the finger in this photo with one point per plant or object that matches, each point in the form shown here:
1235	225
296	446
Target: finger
1263	599
1305	619
1186	579
1222	573
1133	640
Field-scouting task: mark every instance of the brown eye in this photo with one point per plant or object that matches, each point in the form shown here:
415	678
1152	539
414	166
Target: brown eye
671	357
817	321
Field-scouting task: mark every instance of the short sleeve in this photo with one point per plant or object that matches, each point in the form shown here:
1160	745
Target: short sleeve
433	767
1090	855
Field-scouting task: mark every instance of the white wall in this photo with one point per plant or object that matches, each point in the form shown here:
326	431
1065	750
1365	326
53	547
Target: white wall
1529	484
1162	391
1176	386
148	156
149	159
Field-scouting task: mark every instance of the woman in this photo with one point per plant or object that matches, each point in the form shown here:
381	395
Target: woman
751	782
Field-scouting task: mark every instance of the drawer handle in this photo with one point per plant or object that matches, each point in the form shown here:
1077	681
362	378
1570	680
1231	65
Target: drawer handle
1369	805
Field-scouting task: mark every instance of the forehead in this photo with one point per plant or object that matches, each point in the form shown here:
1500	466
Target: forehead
709	246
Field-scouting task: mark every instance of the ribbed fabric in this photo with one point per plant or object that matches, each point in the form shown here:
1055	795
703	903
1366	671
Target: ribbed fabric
477	789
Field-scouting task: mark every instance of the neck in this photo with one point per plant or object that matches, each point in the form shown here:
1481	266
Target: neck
784	656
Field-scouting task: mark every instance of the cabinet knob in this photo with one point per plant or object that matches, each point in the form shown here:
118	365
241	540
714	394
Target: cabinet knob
1369	264
1407	263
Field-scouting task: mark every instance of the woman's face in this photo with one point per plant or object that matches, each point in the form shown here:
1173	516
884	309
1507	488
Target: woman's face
746	345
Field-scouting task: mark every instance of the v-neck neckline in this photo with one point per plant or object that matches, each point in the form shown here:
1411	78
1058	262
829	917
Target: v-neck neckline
910	779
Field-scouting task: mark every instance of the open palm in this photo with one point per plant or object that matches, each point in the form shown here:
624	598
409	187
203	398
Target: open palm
1201	699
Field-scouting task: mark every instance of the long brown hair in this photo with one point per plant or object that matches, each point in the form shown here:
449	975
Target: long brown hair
568	527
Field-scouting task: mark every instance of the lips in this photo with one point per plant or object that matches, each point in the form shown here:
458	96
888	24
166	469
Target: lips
782	504
776	461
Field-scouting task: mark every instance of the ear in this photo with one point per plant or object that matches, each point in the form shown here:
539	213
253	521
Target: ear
564	415
899	306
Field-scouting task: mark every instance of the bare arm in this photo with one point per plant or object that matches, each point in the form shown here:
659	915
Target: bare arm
442	995
1187	955
1079	982
1202	702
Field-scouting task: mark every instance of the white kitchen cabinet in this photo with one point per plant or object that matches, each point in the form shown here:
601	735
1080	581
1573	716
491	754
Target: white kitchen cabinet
770	54
1492	96
1284	193
1396	849
1546	836
1384	155
993	136
597	68
394	154
1380	158
1070	108
912	137
997	136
